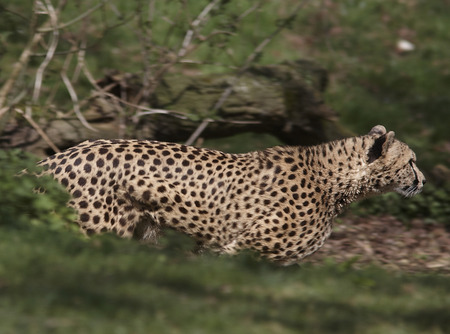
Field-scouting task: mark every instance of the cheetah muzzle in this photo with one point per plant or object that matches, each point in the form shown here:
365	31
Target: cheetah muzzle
279	202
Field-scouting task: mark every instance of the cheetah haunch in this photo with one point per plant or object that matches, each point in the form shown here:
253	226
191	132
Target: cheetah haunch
279	202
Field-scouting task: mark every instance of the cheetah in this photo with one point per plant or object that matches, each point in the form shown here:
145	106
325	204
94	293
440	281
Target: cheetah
279	202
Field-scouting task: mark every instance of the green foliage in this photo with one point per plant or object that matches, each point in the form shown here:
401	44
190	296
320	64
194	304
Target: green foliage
20	206
432	205
55	282
372	81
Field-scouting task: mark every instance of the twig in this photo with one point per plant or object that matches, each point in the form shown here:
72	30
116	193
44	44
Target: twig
251	58
197	62
190	33
231	121
16	68
73	96
184	49
50	52
90	77
249	11
145	36
38	129
75	20
147	111
198	131
81	54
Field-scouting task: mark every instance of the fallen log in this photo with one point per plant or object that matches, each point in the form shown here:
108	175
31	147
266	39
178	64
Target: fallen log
285	100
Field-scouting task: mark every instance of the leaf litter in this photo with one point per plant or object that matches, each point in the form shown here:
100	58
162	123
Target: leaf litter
385	241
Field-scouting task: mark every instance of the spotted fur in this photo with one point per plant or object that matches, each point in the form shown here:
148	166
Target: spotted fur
279	202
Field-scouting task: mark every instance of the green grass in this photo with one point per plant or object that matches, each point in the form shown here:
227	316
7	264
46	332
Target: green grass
58	282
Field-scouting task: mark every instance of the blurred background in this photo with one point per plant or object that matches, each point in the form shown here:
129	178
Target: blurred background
236	76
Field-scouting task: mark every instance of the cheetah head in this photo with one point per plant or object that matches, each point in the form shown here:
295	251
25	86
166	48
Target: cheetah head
393	164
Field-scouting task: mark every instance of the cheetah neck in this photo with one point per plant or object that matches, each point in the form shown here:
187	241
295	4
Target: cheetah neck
341	171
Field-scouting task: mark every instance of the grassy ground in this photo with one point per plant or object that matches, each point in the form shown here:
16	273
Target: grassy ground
57	282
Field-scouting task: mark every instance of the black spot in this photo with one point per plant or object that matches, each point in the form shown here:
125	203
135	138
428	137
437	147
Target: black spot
64	182
76	194
146	195
122	221
84	217
100	163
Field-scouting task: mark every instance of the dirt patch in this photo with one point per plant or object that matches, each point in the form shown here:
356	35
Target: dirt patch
385	241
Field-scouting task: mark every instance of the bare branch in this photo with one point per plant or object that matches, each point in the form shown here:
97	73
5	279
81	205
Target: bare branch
50	52
75	20
250	10
190	33
147	111
16	68
198	131
73	95
38	129
257	51
145	36
81	54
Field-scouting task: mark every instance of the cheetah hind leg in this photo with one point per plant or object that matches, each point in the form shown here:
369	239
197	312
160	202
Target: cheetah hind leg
199	248
230	248
147	230
202	247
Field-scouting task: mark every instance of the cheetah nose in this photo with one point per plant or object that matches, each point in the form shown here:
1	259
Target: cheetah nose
424	181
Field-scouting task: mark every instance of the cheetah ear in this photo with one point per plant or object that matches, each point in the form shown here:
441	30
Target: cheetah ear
381	146
378	130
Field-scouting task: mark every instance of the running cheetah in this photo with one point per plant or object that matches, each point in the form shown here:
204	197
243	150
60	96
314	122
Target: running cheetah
279	202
